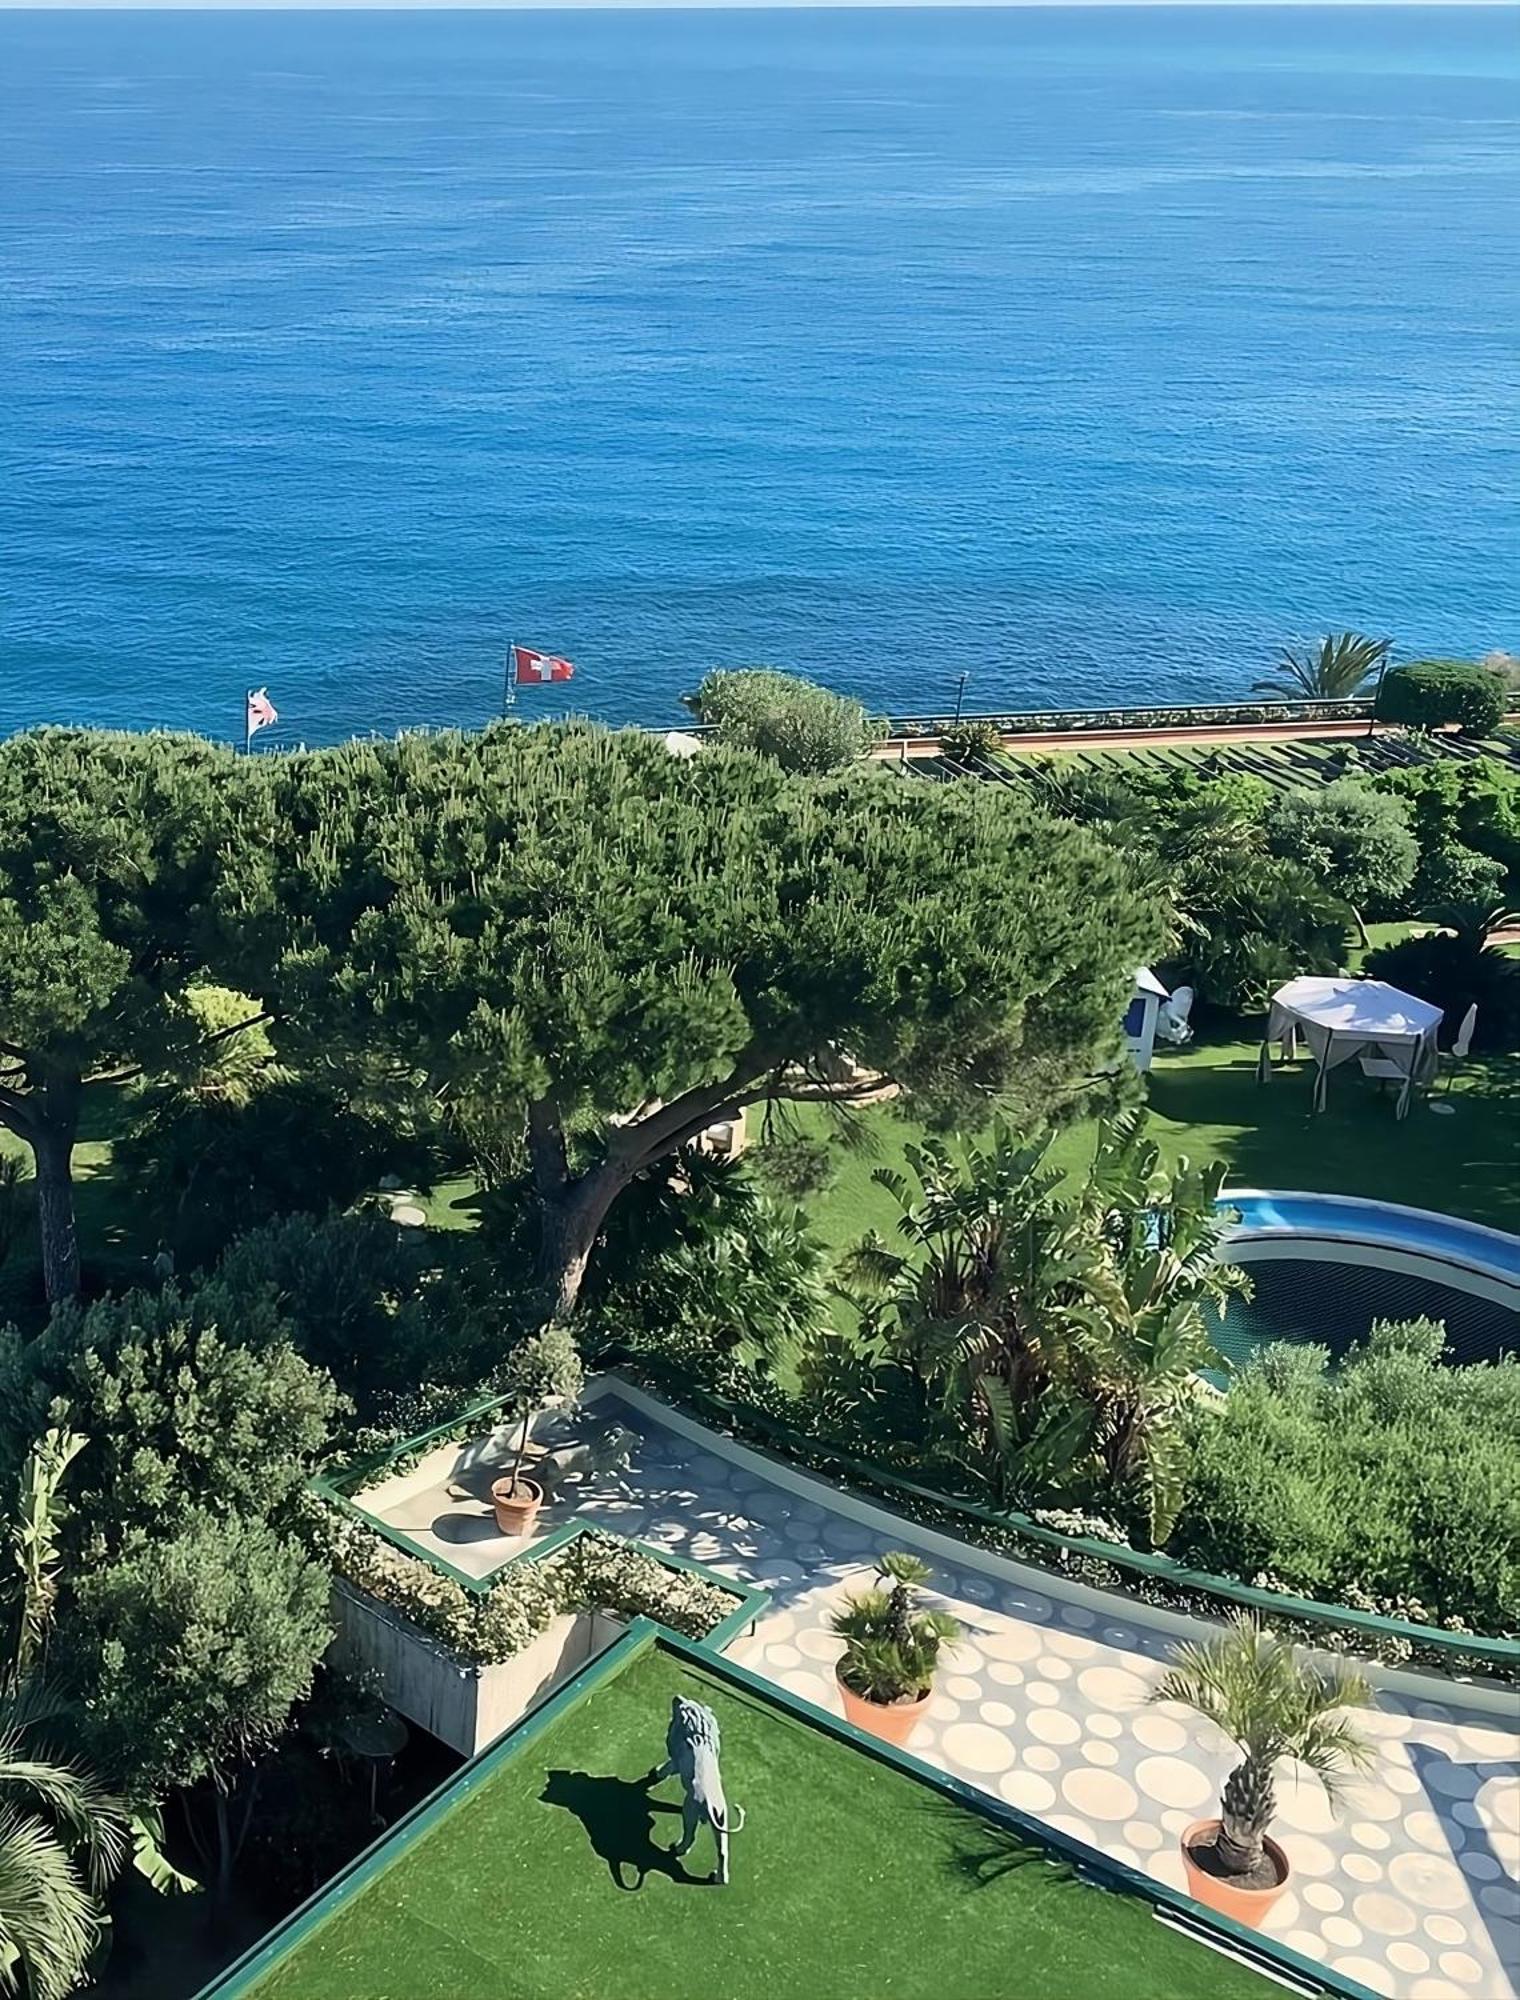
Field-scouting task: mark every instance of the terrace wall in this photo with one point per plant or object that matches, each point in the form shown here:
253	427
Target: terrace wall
463	1705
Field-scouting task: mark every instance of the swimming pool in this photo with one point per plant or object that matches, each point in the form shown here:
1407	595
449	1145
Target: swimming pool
1326	1266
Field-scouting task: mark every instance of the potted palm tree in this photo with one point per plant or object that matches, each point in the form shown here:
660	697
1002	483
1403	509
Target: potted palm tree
1254	1687
544	1369
886	1673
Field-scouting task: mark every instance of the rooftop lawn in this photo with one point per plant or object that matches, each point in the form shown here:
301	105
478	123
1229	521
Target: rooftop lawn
551	1880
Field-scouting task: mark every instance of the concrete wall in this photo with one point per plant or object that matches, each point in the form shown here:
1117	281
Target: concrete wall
465	1706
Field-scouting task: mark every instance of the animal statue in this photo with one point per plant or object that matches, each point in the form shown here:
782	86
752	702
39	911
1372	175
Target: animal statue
598	1458
692	1745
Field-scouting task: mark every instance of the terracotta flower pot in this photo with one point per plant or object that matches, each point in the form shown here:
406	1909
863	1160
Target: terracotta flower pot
894	1722
1230	1899
516	1505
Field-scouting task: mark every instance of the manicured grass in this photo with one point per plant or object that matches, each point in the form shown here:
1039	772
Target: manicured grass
850	1881
1207	1105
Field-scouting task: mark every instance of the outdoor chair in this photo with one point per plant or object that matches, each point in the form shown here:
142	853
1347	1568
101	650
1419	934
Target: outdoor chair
1452	1059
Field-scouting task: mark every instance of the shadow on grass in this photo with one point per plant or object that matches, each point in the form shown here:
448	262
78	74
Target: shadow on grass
618	1815
982	1852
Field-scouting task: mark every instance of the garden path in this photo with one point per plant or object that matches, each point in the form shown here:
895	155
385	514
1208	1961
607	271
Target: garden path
1414	1889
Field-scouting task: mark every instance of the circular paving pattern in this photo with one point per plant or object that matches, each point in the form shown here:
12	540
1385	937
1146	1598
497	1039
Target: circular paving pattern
1113	1688
1099	1794
1408	1958
1383	1915
1169	1782
1047	1706
1429	1883
1027	1790
1445	1930
1053	1725
1157	1731
977	1748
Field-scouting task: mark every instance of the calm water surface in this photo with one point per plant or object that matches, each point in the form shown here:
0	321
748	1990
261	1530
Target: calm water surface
1091	353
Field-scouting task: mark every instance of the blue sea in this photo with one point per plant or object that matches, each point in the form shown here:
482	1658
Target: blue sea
1091	353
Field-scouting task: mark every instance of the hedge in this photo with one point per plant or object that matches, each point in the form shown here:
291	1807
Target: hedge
1431	694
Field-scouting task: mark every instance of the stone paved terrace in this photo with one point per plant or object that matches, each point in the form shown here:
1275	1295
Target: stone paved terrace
1414	1889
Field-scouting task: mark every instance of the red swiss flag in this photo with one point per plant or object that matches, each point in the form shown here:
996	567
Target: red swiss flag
530	669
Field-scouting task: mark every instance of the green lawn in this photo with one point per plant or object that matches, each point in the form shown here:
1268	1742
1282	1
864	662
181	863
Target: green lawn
1206	1104
552	1880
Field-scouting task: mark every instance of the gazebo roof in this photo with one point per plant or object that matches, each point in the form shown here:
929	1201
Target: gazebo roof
1365	1007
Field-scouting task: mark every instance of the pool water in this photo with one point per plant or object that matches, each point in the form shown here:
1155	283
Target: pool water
1334	1305
1447	1237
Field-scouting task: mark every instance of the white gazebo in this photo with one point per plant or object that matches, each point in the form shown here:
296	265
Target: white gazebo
1392	1033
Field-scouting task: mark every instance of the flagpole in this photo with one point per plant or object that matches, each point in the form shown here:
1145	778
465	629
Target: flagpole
248	722
508	691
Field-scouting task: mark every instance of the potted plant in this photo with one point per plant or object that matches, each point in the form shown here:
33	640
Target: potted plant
544	1368
886	1673
1255	1688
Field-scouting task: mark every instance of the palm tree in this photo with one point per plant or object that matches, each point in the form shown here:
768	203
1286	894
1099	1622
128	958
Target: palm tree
1253	1686
971	1310
1140	1335
63	1835
1338	670
892	1646
62	1838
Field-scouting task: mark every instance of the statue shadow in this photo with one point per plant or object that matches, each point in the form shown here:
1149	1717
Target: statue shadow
463	1529
619	1817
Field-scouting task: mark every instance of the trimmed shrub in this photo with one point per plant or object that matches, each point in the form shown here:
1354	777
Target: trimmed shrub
1355	842
1429	694
1387	1482
803	726
1452	877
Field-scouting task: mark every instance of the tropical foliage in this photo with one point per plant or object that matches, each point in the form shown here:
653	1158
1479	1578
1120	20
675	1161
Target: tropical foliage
1338	669
1458	968
892	1642
1051	1344
63	1837
1254	1687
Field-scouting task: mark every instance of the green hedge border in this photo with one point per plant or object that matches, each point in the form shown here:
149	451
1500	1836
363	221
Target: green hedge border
749	1603
1502	1655
1264	1955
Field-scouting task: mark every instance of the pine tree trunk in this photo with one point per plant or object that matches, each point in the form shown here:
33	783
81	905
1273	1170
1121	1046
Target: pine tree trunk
569	1226
52	1141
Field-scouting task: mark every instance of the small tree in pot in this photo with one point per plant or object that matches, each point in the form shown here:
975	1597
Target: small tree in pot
1254	1687
892	1648
545	1368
